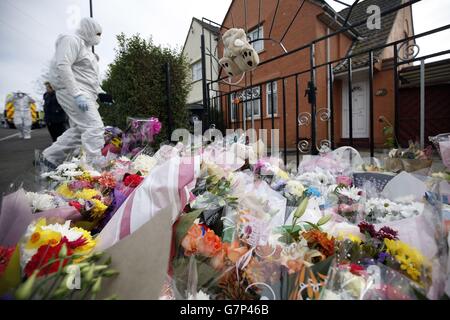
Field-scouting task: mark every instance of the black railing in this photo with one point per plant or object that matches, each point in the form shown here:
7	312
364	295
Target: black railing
310	117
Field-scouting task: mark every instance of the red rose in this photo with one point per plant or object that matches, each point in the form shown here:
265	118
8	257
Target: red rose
132	180
76	205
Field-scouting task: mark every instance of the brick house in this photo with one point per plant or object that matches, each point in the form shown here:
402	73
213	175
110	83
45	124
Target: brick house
315	19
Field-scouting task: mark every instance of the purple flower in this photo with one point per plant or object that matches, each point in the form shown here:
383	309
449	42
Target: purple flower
383	256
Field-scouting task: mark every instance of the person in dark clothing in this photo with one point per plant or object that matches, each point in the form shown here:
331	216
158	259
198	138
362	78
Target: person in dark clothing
55	117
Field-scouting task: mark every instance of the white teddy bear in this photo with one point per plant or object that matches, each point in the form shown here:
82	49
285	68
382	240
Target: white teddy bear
238	56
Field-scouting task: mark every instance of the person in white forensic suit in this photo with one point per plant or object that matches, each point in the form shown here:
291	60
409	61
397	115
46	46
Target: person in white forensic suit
22	114
75	77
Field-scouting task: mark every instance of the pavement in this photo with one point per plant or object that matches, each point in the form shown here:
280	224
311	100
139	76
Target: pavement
16	158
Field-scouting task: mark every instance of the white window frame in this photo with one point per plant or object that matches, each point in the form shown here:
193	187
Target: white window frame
234	107
252	102
194	71
253	35
275	99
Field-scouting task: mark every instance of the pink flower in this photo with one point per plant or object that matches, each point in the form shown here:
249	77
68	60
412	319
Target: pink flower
344	180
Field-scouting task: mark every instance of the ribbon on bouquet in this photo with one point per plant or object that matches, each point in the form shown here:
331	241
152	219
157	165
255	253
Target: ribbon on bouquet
166	189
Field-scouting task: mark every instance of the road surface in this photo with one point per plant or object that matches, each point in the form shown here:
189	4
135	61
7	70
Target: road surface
17	155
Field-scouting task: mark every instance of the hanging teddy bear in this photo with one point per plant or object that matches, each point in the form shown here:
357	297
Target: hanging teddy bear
238	55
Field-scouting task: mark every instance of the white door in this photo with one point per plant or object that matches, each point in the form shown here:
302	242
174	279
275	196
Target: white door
360	109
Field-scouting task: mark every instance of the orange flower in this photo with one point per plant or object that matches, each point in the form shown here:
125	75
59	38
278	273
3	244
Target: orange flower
234	251
202	240
191	239
218	261
319	240
210	245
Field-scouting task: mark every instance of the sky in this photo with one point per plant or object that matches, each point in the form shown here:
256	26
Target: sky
29	28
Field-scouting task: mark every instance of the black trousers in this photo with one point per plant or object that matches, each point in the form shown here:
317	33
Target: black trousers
56	129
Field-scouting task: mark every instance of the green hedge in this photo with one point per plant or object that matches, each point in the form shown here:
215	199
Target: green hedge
137	81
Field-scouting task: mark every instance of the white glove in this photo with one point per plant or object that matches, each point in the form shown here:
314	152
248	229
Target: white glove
82	102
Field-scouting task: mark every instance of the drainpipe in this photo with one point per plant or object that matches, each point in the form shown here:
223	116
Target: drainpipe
329	75
422	104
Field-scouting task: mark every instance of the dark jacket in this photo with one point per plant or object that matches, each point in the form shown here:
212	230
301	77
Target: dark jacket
53	111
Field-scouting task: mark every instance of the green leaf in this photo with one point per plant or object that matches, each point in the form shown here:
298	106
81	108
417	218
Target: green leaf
183	225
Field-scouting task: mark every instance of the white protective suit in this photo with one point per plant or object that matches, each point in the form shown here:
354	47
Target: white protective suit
22	114
74	72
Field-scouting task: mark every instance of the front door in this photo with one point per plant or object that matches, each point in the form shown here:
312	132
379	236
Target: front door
360	108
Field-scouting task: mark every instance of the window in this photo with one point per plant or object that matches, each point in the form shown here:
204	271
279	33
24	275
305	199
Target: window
234	107
253	35
252	100
196	71
271	93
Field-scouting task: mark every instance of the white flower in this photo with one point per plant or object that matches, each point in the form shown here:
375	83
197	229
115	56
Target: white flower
353	284
295	188
385	210
317	178
144	164
65	230
199	296
124	159
352	193
330	295
94	173
40	201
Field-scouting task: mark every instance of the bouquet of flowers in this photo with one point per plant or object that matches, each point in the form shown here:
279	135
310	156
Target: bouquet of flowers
139	134
349	202
53	261
409	160
378	210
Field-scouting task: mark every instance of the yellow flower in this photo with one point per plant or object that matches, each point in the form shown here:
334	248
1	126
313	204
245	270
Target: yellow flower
116	142
87	194
98	210
90	242
343	236
85	176
282	174
64	191
42	237
411	260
